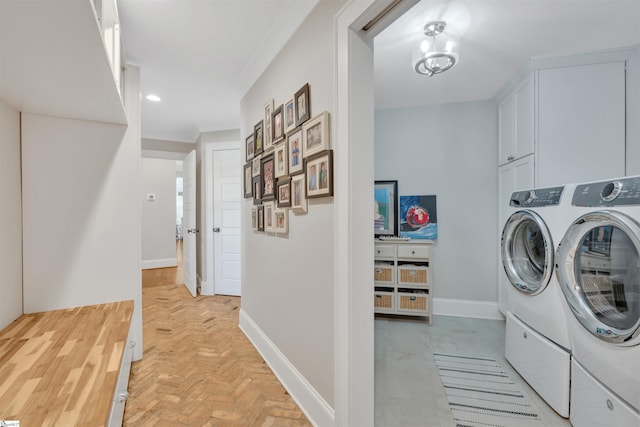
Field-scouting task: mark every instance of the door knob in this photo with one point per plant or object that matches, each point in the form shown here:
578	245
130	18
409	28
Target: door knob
216	229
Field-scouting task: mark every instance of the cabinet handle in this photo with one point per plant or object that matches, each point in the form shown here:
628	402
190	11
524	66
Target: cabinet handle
413	252
131	344
123	396
510	158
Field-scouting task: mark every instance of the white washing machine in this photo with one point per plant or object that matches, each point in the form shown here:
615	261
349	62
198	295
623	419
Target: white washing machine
598	269
537	339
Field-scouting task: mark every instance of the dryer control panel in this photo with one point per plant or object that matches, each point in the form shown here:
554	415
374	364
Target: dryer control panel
615	192
536	198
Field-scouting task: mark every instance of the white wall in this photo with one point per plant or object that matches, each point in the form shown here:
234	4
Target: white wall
449	150
633	113
10	216
288	281
158	177
81	211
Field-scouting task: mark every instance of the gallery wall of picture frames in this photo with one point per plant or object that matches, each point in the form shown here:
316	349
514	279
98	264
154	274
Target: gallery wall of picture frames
288	161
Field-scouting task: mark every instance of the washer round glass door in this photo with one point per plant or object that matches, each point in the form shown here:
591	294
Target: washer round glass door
527	252
599	274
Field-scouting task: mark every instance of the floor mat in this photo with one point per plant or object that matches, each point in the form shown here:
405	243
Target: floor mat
481	393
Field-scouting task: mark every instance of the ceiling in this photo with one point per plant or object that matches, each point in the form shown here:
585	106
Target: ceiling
496	38
201	56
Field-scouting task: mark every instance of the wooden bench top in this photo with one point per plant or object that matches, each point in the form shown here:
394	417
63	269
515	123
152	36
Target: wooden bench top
59	368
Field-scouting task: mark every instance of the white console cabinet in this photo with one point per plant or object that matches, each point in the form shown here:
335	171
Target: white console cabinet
402	278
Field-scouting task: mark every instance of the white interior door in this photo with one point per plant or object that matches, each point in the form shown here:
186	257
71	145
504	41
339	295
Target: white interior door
227	194
189	231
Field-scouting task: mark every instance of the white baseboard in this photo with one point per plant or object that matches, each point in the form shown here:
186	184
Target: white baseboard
466	308
159	263
317	410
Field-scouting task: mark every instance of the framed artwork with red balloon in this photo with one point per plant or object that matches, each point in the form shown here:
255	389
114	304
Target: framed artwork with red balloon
418	217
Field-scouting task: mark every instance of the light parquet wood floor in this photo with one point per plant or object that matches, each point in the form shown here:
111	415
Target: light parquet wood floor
198	368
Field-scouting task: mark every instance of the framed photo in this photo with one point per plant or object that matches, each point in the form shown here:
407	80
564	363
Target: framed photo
281	220
268	109
302	105
282	159
250	144
385	212
284	193
319	171
258	135
298	194
315	134
255	169
294	149
256	189
269	224
248	181
268	178
277	124
260	210
289	116
254	218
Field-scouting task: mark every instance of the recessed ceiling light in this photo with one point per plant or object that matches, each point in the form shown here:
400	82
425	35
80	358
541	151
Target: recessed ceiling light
154	98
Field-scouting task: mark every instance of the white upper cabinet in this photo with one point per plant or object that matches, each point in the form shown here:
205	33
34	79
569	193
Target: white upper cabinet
516	123
581	123
54	60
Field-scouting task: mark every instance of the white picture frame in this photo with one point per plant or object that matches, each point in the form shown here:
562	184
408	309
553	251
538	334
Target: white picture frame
281	156
315	135
281	220
268	141
269	224
298	194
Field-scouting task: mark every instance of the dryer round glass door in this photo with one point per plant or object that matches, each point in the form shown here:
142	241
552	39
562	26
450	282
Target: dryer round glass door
599	274
527	252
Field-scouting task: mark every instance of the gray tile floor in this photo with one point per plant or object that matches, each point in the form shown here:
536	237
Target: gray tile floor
408	390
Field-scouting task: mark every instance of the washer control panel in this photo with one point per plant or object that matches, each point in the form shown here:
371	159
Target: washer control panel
615	192
535	198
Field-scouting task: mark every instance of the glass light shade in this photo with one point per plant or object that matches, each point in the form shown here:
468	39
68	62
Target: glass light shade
435	54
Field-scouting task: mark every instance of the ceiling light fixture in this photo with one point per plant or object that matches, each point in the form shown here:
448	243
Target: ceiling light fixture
153	98
431	60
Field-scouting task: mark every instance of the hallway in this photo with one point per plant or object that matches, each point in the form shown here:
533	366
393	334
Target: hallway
198	368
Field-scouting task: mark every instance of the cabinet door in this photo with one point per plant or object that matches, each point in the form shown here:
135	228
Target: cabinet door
506	129
516	123
581	123
524	114
518	175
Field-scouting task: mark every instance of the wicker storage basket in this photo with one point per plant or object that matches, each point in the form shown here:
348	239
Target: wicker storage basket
383	273
410	274
413	302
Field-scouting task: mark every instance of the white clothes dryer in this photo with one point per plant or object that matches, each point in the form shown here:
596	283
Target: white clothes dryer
537	339
598	269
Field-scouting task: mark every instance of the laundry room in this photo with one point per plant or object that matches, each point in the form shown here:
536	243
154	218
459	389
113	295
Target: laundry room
567	115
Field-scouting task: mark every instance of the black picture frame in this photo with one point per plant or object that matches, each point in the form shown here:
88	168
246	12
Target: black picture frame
319	175
256	189
258	136
250	147
385	221
284	193
277	125
260	218
302	101
268	178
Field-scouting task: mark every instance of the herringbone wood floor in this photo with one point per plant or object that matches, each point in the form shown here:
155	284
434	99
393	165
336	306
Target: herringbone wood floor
198	368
